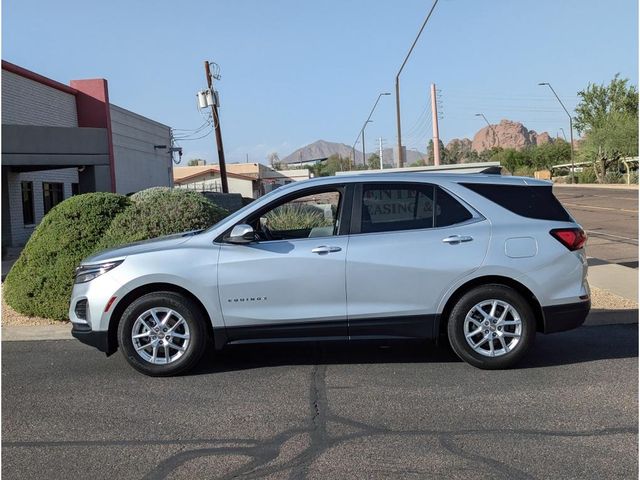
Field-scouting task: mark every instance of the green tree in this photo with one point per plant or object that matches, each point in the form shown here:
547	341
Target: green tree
373	162
608	117
444	154
598	102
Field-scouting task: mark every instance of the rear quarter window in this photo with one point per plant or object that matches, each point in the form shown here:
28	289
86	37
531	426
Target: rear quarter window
525	200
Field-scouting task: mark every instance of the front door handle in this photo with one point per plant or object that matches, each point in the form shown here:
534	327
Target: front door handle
456	239
325	249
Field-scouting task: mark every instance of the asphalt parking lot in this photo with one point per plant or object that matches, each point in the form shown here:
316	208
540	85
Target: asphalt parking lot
409	411
398	411
610	217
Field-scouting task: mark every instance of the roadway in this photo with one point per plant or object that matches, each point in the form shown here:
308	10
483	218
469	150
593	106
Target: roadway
610	218
569	411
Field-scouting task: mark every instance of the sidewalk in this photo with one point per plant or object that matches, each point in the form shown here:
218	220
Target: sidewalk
618	279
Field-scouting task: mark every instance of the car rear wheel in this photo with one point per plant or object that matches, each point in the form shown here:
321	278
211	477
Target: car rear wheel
491	327
162	334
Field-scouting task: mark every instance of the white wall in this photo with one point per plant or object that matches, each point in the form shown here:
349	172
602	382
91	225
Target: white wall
210	183
20	233
27	102
137	164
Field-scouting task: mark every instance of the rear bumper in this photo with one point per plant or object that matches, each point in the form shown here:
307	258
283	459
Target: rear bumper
559	318
99	340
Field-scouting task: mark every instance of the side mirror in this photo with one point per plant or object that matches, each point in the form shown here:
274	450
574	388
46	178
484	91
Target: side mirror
241	233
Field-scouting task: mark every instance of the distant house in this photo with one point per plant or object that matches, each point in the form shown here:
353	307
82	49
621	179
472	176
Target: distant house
60	140
249	179
206	178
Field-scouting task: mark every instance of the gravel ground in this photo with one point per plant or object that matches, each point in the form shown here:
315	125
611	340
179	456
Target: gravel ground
600	299
11	317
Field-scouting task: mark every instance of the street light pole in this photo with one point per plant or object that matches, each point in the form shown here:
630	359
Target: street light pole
361	132
570	127
490	126
424	24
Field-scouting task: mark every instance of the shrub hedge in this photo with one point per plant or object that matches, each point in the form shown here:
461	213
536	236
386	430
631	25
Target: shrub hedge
40	282
161	211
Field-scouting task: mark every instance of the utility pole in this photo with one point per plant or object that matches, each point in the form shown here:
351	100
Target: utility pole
380	152
364	155
424	24
436	136
216	123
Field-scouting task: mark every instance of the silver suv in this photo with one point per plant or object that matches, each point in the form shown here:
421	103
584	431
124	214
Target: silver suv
486	260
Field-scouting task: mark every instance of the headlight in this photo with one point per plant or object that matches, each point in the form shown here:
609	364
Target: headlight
86	273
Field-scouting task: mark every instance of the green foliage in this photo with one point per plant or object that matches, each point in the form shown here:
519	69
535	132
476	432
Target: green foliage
41	280
614	176
587	175
335	163
525	162
374	162
599	102
161	211
608	117
444	154
292	216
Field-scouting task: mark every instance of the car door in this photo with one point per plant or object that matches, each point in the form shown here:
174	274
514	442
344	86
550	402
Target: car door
410	242
290	282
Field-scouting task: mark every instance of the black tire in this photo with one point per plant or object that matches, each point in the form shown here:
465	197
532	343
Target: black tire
456	327
194	319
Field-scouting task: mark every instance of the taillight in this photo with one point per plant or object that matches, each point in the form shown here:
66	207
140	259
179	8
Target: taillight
572	238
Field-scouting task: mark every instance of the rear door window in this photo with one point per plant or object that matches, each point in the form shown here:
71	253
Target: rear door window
449	211
393	207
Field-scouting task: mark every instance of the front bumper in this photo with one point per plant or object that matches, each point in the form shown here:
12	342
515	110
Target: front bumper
99	340
559	318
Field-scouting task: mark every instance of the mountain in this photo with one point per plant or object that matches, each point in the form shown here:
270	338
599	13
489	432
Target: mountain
508	134
320	149
324	149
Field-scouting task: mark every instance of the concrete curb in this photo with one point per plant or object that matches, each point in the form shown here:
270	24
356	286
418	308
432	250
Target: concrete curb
16	333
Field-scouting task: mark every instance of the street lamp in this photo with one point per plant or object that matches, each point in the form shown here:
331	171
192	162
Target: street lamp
570	126
490	126
361	132
424	24
563	134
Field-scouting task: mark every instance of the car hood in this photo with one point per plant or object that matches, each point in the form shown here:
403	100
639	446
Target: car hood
161	243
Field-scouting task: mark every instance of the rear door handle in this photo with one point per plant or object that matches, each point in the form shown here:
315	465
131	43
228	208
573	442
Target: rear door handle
325	249
455	239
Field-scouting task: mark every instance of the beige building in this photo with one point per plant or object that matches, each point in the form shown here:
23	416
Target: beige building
248	179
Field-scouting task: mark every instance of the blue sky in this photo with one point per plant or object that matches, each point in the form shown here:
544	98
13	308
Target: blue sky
297	71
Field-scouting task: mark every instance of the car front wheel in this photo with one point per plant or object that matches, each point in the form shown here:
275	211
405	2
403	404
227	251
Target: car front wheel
162	334
491	327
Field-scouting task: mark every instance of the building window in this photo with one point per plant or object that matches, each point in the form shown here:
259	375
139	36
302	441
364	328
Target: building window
28	215
75	189
52	194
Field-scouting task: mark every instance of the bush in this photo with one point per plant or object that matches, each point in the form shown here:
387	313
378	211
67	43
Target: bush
614	177
40	282
587	175
161	211
293	216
